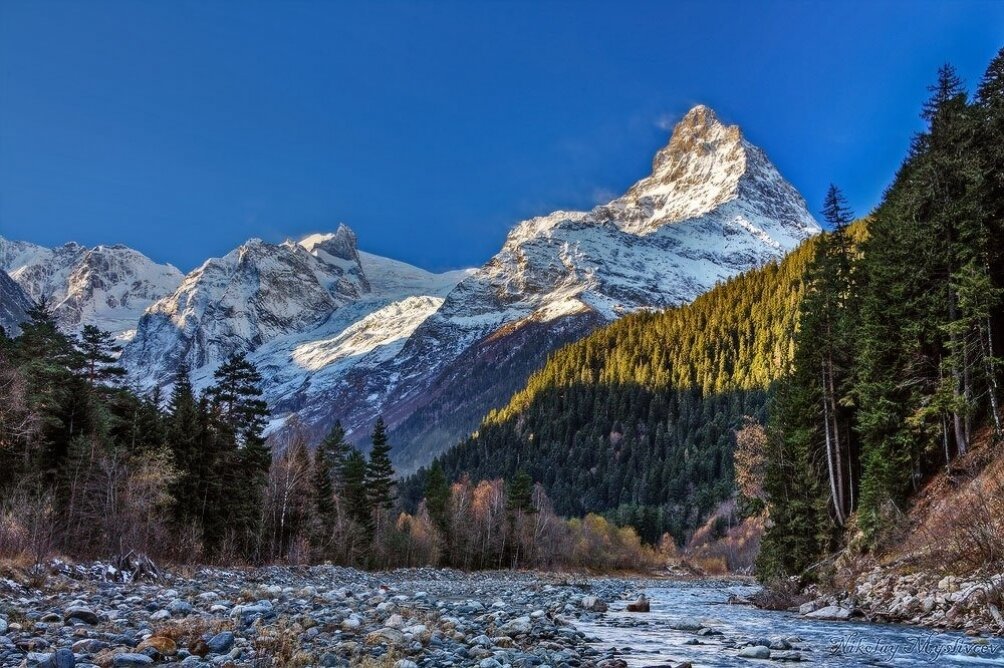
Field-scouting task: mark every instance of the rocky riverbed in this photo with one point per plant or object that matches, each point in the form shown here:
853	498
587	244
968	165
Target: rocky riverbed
316	616
973	605
429	618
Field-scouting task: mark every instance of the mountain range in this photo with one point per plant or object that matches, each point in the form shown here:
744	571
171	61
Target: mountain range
339	333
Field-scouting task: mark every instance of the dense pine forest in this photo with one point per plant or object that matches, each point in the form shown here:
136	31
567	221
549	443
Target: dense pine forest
638	419
897	366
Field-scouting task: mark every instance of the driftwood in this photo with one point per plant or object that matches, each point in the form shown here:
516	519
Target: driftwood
133	567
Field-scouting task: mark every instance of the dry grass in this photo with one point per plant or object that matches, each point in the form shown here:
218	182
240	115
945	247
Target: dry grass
725	543
192	628
279	644
956	523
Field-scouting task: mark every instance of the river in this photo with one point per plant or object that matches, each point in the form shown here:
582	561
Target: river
657	637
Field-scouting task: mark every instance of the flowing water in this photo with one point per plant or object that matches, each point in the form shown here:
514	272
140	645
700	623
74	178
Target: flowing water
655	638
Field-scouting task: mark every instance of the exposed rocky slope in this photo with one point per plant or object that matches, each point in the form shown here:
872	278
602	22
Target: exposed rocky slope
14	305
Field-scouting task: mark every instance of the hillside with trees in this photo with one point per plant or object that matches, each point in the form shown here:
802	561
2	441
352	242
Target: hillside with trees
638	419
94	470
897	367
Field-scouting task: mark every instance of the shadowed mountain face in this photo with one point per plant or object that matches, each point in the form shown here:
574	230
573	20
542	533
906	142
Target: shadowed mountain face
340	334
14	305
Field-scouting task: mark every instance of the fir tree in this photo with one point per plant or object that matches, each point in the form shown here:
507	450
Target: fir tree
353	490
520	498
380	471
240	416
99	354
330	452
437	496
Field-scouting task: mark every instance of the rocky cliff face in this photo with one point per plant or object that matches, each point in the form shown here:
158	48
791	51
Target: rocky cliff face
14	305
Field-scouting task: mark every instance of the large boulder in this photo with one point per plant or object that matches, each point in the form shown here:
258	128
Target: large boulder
640	604
831	612
593	604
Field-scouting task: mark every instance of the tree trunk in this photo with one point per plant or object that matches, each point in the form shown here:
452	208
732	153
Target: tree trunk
829	453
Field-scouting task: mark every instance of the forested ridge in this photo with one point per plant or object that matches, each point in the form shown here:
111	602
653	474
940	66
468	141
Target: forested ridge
637	419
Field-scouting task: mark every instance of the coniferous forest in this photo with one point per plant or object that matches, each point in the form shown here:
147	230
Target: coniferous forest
871	355
637	420
897	363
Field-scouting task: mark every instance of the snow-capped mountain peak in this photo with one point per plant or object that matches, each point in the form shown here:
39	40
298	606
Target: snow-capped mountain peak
109	286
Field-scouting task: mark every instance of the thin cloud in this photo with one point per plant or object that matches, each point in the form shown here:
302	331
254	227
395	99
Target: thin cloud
666	122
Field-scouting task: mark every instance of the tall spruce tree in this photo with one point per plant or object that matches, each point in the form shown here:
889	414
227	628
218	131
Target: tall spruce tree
185	440
380	471
240	416
99	356
352	488
437	496
329	454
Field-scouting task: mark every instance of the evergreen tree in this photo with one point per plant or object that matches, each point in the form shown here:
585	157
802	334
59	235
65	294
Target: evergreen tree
380	471
520	498
437	496
240	416
185	440
99	354
353	490
330	452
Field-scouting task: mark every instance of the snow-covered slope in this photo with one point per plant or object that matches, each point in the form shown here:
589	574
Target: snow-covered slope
14	305
713	206
106	286
305	312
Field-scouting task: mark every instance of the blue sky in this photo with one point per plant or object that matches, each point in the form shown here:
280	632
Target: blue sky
183	128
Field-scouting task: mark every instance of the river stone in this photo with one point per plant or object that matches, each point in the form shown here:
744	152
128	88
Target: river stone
263	607
518	626
81	613
39	660
787	655
179	608
221	642
593	604
160	644
385	635
63	658
687	624
832	612
130	660
755	652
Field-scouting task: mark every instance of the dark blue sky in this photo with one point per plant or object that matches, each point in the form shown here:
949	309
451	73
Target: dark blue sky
183	128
